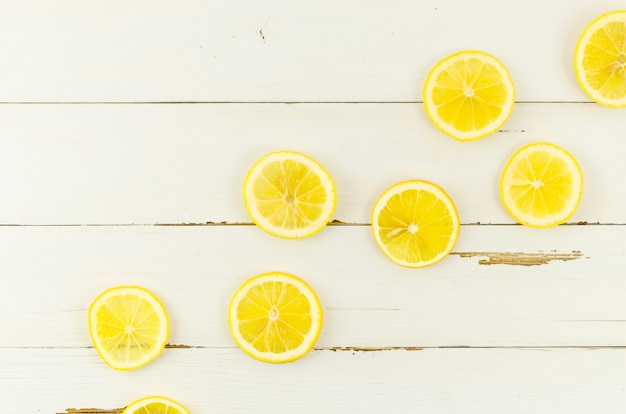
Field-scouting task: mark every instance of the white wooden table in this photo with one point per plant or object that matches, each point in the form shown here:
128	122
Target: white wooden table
126	129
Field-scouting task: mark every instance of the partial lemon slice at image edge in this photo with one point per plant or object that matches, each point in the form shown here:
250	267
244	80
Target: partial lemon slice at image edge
155	405
600	59
469	95
128	326
541	185
289	195
415	223
275	317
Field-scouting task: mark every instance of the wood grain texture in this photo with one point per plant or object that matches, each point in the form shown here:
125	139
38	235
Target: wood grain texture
53	274
274	50
519	381
122	164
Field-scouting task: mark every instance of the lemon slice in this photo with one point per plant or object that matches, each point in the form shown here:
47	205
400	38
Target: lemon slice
128	326
600	59
541	185
155	405
289	195
275	317
469	95
415	223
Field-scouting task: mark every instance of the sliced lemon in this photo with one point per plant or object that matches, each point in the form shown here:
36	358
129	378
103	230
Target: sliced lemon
469	95
600	59
289	195
541	185
415	223
155	405
275	317
128	326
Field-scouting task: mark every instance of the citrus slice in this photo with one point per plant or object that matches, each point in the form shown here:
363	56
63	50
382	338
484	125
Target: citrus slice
415	223
600	59
128	326
275	317
541	185
155	405
469	95
289	195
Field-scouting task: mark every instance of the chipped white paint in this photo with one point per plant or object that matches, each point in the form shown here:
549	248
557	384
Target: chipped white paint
516	319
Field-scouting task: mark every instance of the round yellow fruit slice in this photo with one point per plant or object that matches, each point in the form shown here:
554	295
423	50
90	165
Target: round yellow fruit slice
275	317
415	223
155	405
541	185
469	95
600	59
289	195
128	326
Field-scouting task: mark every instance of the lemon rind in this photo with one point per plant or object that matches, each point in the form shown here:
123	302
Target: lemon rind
327	182
154	399
589	30
523	218
447	129
381	202
157	305
317	317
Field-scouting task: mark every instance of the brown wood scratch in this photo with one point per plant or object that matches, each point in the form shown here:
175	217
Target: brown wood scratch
92	411
521	259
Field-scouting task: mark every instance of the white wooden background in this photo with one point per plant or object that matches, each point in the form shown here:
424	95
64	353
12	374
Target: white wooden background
126	129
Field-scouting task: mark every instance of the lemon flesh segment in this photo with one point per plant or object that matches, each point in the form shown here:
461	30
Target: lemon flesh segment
469	95
155	405
128	326
600	59
289	195
415	223
541	185
275	317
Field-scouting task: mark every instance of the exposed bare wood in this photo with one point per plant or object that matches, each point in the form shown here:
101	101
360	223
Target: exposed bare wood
519	258
369	349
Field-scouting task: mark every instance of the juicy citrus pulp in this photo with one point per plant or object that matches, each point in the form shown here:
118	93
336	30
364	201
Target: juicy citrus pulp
128	326
289	194
469	95
415	223
541	185
155	405
600	59
275	317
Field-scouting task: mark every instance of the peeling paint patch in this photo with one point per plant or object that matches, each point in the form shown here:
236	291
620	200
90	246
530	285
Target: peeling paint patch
179	346
366	349
91	411
520	259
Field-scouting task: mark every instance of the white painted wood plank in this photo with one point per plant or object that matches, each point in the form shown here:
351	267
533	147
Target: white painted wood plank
275	50
114	164
51	275
226	380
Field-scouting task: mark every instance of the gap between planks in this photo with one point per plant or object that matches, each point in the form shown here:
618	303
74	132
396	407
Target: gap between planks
258	102
355	349
241	223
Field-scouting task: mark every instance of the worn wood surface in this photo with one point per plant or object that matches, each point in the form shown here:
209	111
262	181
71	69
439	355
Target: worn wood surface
126	129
